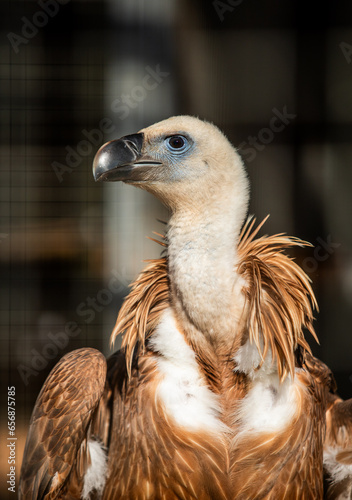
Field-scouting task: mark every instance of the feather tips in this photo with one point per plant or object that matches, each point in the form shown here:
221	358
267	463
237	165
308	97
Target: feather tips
279	299
141	310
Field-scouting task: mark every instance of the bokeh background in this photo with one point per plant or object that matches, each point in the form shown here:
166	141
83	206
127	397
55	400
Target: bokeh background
77	73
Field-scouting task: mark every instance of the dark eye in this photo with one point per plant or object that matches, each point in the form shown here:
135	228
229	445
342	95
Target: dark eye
177	143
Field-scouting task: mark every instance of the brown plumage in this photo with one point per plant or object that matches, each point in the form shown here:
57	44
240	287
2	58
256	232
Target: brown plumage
214	394
280	302
338	447
140	312
278	293
272	276
55	455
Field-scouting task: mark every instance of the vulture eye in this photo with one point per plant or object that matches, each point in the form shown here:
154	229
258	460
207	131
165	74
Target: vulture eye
177	143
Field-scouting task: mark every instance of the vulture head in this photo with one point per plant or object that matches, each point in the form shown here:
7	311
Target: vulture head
184	161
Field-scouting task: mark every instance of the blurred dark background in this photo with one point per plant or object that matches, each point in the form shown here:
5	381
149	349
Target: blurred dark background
275	76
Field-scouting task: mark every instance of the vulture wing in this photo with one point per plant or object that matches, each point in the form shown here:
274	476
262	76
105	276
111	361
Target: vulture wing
338	448
58	451
338	435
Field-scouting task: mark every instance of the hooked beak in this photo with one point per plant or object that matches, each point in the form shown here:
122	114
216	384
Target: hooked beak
121	160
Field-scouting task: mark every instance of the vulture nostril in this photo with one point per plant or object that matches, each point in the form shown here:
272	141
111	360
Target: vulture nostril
132	146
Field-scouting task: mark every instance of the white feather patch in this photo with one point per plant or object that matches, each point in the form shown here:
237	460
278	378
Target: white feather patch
270	405
94	479
55	480
247	360
337	471
182	390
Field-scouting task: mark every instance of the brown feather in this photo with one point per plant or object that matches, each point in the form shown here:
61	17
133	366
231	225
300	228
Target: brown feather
56	455
142	308
278	294
290	460
150	454
338	443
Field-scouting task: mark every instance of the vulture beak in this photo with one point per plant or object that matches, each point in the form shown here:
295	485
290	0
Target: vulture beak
122	160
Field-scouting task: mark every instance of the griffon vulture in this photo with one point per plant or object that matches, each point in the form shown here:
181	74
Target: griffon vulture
214	394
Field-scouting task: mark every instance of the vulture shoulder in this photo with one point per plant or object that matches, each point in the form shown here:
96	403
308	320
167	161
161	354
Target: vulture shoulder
60	446
338	448
338	433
